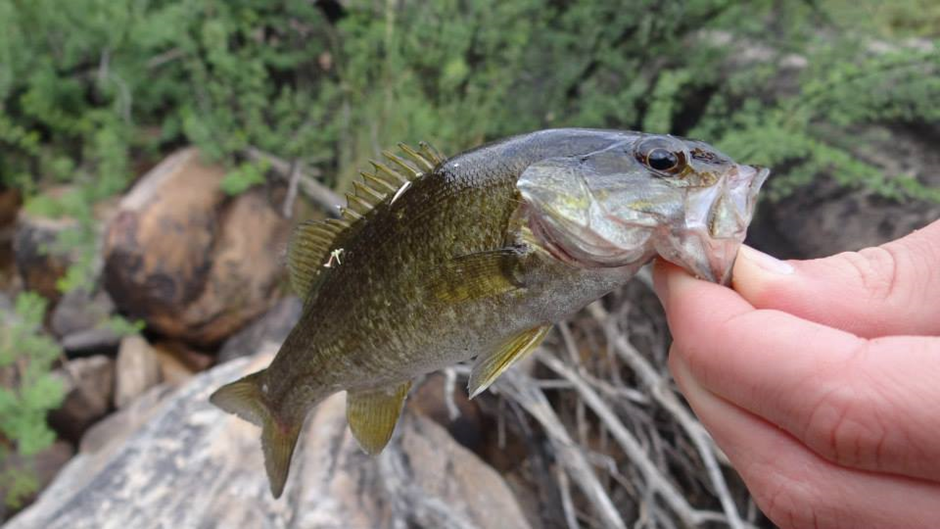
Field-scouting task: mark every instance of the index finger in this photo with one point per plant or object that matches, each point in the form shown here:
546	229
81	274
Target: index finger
860	403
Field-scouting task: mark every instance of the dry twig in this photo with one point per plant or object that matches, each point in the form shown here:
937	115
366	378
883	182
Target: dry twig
663	395
522	389
320	194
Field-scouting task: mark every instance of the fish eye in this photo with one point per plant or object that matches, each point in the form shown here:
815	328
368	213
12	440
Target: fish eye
661	154
662	160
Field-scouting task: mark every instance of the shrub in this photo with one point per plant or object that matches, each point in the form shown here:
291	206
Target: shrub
28	394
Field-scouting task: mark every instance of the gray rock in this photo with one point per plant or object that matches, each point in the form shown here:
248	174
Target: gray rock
137	370
89	387
274	326
114	429
191	465
79	310
100	340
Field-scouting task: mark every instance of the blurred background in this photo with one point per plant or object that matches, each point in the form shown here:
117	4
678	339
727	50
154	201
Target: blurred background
155	154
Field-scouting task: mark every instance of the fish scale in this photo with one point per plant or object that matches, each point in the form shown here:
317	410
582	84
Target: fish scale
441	261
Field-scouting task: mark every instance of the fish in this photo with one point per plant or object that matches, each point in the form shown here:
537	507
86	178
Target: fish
438	260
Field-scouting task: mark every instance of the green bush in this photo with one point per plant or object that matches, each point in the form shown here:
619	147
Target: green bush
30	392
91	86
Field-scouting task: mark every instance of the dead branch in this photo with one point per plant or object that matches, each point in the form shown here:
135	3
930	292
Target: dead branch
630	445
320	194
295	173
659	387
522	389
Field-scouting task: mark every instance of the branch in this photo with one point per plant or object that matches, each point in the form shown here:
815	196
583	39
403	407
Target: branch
630	445
295	174
523	390
659	388
320	194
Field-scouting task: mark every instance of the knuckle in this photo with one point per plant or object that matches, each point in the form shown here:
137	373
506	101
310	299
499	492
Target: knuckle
787	501
877	271
843	427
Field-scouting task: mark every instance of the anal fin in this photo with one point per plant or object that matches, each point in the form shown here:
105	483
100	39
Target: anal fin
488	368
372	415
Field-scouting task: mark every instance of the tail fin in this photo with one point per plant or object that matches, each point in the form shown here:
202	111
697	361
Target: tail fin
245	399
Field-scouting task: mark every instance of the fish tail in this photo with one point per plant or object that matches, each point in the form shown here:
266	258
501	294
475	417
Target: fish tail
244	398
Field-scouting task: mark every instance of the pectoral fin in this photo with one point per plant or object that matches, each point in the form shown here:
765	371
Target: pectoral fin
488	368
372	415
478	275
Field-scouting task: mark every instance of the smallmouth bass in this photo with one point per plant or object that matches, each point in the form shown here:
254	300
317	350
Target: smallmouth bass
438	261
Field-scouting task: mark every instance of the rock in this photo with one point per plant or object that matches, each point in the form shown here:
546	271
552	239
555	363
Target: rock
191	465
79	310
101	340
44	466
10	201
9	207
173	369
193	263
137	370
274	326
194	360
38	258
114	429
825	218
430	399
89	388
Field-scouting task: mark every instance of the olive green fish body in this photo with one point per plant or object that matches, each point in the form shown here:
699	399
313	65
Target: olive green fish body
377	317
450	265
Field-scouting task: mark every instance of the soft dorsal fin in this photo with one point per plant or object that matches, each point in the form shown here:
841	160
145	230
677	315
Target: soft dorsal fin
311	246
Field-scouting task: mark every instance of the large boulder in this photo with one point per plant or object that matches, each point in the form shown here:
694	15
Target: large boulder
193	263
826	218
191	465
274	327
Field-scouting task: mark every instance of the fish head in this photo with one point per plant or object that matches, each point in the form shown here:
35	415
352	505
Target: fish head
645	195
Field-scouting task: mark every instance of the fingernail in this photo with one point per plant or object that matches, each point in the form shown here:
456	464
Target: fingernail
767	263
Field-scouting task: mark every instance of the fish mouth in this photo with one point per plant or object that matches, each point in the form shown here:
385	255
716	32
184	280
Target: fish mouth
715	226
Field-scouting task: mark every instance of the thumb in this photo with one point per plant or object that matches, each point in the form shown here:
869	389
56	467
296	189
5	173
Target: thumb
892	289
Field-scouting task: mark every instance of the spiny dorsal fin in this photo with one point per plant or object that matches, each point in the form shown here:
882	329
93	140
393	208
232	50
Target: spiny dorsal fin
311	245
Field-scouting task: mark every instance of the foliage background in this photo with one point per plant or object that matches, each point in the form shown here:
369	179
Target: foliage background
95	91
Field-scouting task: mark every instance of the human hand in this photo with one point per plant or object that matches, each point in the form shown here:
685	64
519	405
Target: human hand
820	379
